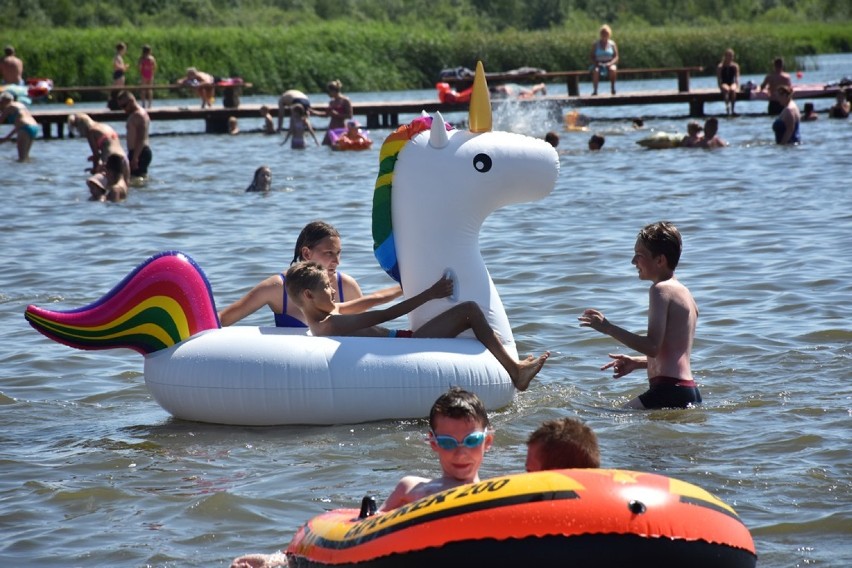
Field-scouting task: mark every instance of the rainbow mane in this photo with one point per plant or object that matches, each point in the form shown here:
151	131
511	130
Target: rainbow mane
383	243
164	301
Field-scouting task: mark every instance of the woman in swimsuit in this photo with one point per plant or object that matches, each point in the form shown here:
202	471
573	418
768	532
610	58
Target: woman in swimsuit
728	79
786	126
339	110
320	243
26	127
103	141
604	56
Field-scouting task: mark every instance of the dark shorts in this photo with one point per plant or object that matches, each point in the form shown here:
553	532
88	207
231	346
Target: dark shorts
774	108
145	157
670	396
400	333
117	74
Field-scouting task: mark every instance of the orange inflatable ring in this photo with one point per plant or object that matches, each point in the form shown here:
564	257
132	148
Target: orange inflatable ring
576	517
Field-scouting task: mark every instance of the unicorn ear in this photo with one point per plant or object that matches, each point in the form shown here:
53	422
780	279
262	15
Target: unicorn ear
438	138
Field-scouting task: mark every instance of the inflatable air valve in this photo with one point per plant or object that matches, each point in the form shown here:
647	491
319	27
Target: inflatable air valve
368	507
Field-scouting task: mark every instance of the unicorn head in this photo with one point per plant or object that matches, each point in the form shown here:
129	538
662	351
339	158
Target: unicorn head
436	186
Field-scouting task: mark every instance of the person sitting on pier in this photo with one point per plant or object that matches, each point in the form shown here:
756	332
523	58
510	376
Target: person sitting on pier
604	57
103	141
204	84
728	78
841	108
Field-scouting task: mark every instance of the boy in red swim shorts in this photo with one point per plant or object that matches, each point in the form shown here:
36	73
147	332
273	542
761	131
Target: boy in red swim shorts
672	317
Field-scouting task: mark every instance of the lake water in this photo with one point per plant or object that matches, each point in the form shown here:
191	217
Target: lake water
94	473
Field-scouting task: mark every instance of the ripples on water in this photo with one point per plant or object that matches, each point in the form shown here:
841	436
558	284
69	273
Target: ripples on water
95	473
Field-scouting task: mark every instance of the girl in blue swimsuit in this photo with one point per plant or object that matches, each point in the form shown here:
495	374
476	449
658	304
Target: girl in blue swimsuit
320	243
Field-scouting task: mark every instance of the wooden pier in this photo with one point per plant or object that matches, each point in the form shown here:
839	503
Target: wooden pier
386	114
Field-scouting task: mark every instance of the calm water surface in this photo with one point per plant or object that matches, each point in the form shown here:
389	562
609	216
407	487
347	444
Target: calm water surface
94	473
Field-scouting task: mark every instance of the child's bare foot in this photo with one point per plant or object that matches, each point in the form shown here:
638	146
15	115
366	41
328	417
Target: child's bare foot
528	369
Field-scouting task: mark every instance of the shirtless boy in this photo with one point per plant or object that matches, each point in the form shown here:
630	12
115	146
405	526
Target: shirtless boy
138	123
562	443
776	78
309	287
672	317
459	434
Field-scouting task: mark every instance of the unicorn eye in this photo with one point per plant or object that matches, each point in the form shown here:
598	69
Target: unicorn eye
482	163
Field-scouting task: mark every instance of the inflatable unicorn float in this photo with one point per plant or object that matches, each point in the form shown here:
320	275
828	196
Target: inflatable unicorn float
436	186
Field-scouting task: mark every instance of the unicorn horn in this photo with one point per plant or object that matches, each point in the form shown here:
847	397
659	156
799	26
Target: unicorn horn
480	102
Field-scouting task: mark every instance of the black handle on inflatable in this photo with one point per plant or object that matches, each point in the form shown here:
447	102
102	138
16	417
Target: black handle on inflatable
368	507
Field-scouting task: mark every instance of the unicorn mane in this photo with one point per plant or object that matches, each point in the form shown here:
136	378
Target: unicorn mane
383	242
165	300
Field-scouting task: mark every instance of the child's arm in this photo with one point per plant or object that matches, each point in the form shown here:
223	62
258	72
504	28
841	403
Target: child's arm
364	303
624	364
401	494
311	130
340	324
649	345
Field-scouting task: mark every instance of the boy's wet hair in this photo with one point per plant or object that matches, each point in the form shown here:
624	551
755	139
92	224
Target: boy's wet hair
566	443
303	276
458	403
662	238
311	234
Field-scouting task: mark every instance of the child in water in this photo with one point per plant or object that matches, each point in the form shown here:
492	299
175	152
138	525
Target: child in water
299	123
310	289
353	138
672	318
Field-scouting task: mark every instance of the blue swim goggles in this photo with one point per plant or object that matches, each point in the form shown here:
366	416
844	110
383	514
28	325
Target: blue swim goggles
472	440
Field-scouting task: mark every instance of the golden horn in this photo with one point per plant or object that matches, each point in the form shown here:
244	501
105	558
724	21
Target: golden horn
480	102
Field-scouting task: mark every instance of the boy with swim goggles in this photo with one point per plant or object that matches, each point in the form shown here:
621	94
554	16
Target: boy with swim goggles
459	434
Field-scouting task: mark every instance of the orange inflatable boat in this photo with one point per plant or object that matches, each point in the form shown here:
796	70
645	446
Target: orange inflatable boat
573	517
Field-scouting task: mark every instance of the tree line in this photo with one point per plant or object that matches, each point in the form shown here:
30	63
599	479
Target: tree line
483	15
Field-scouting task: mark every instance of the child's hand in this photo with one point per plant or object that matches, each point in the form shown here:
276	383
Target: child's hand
593	319
442	288
621	365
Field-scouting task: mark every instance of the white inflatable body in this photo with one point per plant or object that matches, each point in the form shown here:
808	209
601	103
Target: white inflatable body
444	185
267	376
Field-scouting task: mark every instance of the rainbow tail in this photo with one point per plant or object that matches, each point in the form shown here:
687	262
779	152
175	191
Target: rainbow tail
165	300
